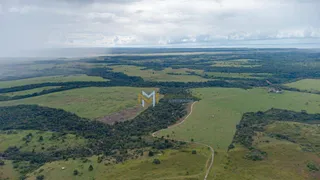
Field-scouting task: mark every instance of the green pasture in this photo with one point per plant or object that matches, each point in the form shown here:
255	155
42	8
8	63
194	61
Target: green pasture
50	140
216	115
92	102
152	75
306	84
26	92
39	80
174	164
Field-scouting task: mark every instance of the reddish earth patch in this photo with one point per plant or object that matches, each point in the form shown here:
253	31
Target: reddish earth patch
121	116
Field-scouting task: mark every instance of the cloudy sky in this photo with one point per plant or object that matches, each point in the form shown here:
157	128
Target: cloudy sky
34	24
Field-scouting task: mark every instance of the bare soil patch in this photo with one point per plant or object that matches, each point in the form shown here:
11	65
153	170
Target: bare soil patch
122	115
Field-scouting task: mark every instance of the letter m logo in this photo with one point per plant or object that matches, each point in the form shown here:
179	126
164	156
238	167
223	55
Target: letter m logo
144	98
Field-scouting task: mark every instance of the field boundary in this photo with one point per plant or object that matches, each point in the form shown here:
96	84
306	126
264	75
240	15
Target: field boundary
211	148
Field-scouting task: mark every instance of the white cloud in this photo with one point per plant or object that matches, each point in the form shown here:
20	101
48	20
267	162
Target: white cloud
154	22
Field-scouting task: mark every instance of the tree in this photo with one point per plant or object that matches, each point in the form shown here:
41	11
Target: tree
156	161
75	172
192	140
40	177
40	138
90	168
151	153
231	146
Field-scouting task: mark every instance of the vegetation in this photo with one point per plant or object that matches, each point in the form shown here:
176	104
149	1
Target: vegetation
52	79
253	122
311	85
102	139
88	102
174	164
214	118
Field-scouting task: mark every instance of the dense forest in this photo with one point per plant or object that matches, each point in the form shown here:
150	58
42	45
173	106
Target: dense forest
103	139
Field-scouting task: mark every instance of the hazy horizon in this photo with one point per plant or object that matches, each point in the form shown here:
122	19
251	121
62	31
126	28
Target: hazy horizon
35	24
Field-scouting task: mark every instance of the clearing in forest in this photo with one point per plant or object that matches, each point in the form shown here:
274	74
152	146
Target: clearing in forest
92	102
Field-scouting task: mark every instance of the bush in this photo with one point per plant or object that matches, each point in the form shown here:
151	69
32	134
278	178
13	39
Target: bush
156	161
90	168
231	146
194	152
2	163
312	167
75	172
40	139
150	153
256	155
40	177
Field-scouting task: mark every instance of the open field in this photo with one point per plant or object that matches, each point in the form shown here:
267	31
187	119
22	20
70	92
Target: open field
236	63
215	117
163	75
236	75
7	172
31	91
38	80
306	84
90	102
285	160
50	140
175	164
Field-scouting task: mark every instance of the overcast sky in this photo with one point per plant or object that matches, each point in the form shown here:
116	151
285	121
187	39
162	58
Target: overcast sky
33	24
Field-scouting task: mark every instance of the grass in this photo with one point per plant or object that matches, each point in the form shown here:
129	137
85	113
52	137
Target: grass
152	75
31	91
15	138
306	84
237	75
38	80
215	117
236	63
175	164
93	102
304	134
286	160
7	172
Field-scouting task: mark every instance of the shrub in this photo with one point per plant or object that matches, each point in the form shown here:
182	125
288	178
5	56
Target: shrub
90	168
156	161
2	163
150	153
312	167
40	177
75	172
194	152
256	155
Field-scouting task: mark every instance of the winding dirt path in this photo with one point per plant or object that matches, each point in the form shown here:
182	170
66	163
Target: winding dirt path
212	150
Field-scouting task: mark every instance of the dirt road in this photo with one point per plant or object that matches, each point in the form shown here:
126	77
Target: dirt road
212	150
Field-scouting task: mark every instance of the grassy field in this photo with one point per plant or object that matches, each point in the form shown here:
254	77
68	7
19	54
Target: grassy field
236	75
163	75
16	138
236	63
90	102
7	172
38	80
215	117
286	160
31	91
306	84
175	164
